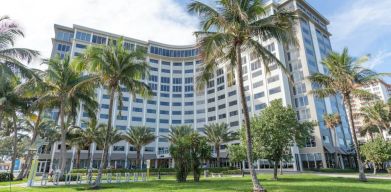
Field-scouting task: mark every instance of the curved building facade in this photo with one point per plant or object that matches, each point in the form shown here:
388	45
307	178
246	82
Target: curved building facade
173	70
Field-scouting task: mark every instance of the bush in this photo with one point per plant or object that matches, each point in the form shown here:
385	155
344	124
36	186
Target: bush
232	172
6	177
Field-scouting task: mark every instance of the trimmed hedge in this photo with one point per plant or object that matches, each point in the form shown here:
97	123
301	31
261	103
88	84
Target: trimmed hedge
6	177
232	172
152	171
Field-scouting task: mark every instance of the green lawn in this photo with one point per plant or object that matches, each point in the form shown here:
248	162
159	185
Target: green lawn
287	183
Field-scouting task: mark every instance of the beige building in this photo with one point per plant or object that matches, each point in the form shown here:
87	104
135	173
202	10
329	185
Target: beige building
383	91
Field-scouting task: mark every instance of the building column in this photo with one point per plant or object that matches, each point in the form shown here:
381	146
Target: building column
73	158
126	154
324	163
259	164
92	149
52	158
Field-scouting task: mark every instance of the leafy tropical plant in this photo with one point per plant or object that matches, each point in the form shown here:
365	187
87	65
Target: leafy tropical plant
200	151
217	134
376	114
114	66
229	28
139	137
346	75
12	58
377	152
275	130
332	121
61	86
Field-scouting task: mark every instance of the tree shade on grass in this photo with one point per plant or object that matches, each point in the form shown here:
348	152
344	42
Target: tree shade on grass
287	183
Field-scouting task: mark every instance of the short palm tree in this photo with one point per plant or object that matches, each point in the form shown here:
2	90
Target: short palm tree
90	135
217	134
115	66
11	58
115	136
177	132
230	28
368	130
345	76
377	114
332	121
62	85
139	137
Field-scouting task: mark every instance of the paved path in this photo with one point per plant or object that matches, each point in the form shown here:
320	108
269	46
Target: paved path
352	175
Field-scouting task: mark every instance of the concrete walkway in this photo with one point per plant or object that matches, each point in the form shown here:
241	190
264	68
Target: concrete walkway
352	175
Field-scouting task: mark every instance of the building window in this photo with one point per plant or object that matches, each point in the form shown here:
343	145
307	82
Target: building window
232	103
137	119
189	112
259	95
232	93
222	116
151	111
222	106
275	90
151	102
98	39
190	103
260	106
233	113
137	109
177	104
273	79
165	88
233	124
119	148
188	80
164	112
83	36
150	120
164	79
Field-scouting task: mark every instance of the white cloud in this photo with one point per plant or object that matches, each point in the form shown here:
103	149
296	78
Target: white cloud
378	59
361	24
159	20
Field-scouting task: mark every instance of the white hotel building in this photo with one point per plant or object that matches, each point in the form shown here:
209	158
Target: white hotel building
173	70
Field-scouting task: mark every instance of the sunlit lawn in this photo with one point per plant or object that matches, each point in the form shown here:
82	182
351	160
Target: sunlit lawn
287	183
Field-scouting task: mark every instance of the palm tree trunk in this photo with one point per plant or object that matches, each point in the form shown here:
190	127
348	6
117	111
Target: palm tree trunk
88	157
29	159
138	161
107	140
256	184
63	160
335	148
361	175
217	149
78	158
14	144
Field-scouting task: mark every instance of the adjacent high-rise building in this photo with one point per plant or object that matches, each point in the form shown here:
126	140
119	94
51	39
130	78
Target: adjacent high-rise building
173	70
383	91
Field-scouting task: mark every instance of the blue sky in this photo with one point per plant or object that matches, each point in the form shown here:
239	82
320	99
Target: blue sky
364	26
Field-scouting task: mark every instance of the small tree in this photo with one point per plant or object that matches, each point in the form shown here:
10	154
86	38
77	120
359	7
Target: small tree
217	134
180	150
332	121
139	137
200	151
275	130
377	152
237	153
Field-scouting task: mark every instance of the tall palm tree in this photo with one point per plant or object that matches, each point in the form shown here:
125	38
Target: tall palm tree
345	76
139	137
11	58
217	134
231	27
332	121
115	66
62	86
377	114
13	105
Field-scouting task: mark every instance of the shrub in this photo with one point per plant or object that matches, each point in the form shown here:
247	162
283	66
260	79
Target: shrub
6	177
232	172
